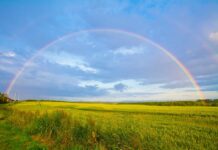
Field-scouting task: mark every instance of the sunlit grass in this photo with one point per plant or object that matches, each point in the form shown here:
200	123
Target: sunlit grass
195	110
63	125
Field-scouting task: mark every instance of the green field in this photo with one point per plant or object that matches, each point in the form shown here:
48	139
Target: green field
65	125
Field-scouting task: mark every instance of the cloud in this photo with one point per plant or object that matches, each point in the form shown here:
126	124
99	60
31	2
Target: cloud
128	51
120	87
206	81
8	54
47	84
72	61
177	84
210	88
214	36
53	90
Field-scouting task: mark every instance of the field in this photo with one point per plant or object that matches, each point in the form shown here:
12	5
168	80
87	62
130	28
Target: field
65	125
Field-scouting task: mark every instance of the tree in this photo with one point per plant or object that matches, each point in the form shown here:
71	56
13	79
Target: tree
3	98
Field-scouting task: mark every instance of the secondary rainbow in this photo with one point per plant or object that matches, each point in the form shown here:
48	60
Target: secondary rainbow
140	37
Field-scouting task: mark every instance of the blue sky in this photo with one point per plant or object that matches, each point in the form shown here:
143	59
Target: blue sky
109	66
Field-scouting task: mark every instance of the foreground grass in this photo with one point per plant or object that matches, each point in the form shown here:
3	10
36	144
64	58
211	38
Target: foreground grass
11	137
62	125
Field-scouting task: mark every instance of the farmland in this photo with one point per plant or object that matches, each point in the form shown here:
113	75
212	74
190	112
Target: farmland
66	125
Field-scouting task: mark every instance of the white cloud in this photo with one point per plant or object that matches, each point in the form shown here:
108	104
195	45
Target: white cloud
214	36
8	54
71	61
129	51
133	85
77	63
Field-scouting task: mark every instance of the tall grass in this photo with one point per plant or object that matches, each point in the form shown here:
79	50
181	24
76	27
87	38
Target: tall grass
63	132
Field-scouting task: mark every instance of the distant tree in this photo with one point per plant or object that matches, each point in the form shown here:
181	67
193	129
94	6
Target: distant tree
3	98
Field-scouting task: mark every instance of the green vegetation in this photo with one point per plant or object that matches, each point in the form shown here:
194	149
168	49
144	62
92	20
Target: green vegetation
65	125
11	137
207	102
3	98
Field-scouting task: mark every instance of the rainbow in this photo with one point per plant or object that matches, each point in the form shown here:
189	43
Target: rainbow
137	36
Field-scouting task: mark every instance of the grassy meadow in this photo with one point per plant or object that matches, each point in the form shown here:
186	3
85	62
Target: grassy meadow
65	125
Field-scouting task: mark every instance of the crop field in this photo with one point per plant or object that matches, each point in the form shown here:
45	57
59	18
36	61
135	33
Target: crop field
65	125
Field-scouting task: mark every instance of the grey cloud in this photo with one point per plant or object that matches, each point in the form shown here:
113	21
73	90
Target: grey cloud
177	84
73	91
120	87
8	54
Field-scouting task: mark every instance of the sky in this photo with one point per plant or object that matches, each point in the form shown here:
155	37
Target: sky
109	50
